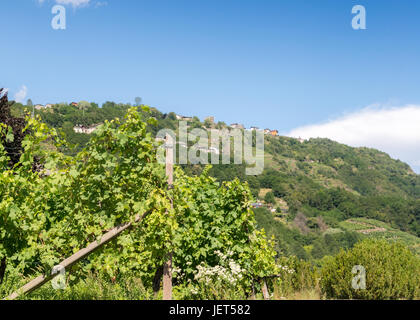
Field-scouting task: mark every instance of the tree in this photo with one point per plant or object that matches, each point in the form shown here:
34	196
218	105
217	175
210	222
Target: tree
11	137
208	123
172	116
138	101
31	105
221	125
84	105
279	190
11	130
269	198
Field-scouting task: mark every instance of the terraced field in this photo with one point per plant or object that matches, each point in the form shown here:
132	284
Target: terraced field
377	229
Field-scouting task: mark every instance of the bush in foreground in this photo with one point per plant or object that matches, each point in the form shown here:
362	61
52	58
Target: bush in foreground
392	272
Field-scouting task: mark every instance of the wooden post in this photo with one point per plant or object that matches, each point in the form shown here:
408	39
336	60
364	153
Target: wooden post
67	263
253	291
167	278
167	268
265	293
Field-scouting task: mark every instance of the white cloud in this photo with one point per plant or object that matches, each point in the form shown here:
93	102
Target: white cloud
395	131
21	94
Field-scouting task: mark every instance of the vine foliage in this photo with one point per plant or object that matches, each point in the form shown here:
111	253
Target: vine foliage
50	213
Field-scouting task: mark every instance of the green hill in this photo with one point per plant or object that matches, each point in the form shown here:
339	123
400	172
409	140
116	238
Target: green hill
318	187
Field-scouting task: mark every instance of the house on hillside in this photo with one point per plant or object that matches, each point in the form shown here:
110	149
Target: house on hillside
183	118
74	104
237	126
85	130
41	106
256	205
274	133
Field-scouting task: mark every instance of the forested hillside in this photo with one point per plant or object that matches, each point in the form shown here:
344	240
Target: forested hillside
311	191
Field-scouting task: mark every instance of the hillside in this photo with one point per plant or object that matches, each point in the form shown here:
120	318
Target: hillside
311	191
317	185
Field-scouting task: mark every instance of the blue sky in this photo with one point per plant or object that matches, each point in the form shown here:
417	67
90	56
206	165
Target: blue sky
287	65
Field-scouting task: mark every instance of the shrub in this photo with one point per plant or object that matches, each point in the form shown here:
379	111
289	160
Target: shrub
392	272
269	198
296	275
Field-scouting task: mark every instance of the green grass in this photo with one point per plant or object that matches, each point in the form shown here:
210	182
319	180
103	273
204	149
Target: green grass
350	226
333	231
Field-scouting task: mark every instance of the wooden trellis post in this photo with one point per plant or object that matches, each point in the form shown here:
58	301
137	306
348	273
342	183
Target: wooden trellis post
265	293
167	268
67	263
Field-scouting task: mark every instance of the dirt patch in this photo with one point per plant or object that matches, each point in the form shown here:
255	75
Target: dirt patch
371	227
367	231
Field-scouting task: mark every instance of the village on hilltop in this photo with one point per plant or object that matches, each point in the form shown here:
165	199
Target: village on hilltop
90	129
